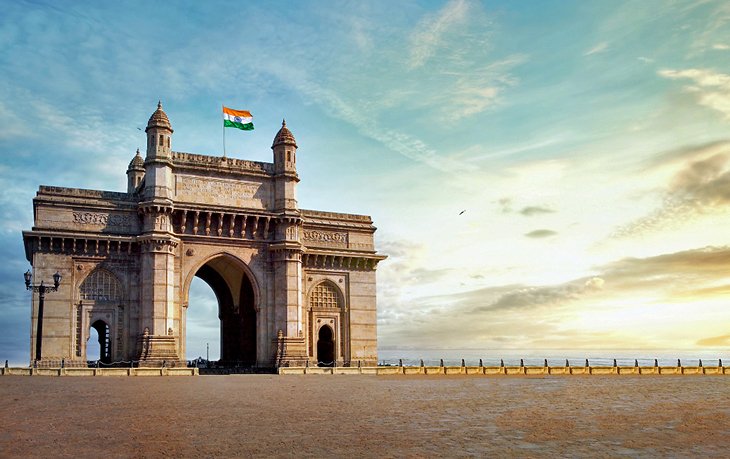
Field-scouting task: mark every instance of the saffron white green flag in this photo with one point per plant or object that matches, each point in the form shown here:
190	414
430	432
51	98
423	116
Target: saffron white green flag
240	119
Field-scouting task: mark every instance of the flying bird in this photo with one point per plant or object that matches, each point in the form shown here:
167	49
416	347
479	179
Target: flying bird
462	211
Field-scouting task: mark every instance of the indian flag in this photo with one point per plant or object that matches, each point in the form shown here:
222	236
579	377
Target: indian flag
240	119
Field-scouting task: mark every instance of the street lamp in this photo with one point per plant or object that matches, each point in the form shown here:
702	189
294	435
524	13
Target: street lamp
41	289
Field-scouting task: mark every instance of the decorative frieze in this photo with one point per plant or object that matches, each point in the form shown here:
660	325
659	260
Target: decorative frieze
327	237
102	219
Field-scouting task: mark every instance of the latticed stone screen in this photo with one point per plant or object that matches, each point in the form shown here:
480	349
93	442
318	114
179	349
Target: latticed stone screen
325	295
101	285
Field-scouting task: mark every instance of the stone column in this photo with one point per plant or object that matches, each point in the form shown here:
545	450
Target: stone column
158	341
286	259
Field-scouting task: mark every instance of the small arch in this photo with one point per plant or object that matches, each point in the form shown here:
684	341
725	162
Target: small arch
288	156
162	142
326	346
105	341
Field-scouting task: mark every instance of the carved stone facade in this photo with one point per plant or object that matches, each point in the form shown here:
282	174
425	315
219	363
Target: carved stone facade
294	286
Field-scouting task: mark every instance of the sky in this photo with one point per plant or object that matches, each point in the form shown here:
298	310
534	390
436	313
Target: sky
543	175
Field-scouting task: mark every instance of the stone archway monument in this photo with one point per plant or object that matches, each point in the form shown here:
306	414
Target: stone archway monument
280	273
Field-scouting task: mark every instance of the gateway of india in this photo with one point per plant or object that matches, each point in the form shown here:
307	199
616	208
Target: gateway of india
294	287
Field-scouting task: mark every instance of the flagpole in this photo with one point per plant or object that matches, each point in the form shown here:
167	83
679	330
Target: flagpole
224	132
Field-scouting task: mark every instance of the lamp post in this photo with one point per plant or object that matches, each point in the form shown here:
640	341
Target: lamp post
41	289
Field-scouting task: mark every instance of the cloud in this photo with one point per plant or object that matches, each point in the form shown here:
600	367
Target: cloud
399	142
706	181
595	283
599	48
697	267
429	34
715	341
544	315
505	205
529	211
710	89
721	47
531	297
540	233
699	185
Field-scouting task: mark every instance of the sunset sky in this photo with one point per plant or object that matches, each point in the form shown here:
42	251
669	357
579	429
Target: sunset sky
587	142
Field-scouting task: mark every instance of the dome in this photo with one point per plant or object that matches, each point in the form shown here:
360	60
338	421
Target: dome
159	119
137	162
284	136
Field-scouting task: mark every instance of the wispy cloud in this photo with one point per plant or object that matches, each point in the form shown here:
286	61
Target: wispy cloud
529	211
710	88
599	48
699	185
715	341
429	34
399	142
540	233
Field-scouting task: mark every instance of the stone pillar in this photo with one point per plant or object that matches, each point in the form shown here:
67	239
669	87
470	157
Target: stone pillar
159	338
286	259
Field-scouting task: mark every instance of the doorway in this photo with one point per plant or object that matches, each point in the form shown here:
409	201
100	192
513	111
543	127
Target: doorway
326	347
105	342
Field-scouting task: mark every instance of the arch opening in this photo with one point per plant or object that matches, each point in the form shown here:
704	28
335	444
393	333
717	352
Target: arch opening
325	347
203	330
234	293
103	337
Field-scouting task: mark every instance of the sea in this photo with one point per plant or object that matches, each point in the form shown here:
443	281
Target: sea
555	357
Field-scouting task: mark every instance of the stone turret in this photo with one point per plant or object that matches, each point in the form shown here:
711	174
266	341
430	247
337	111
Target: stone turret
285	150
135	173
159	134
285	169
158	163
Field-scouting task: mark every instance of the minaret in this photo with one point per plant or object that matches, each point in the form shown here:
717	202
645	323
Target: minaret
158	163
135	173
286	254
159	329
285	169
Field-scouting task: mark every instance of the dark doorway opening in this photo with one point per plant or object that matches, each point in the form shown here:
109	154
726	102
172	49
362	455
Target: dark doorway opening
236	312
326	347
105	341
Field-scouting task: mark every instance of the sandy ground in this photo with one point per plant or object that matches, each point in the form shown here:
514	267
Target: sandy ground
364	416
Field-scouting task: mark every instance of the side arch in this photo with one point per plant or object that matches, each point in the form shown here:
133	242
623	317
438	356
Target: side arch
326	306
101	297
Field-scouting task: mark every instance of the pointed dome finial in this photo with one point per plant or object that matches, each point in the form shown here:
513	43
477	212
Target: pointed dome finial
137	162
284	136
159	119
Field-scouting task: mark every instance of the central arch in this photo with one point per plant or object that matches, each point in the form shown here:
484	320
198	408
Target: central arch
234	290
